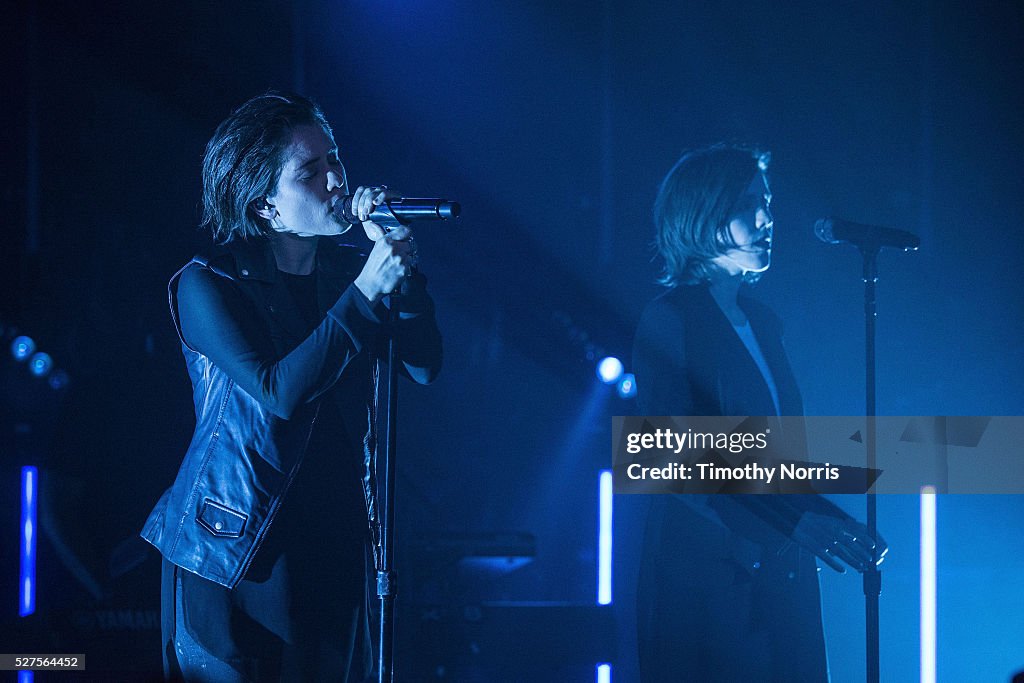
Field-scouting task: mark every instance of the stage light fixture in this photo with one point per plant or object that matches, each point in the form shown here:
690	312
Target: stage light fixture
627	385
40	364
27	575
22	347
604	539
610	370
928	584
58	380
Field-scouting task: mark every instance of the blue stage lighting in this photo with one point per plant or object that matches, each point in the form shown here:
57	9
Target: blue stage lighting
610	370
604	539
627	385
928	584
58	380
40	364
22	347
27	582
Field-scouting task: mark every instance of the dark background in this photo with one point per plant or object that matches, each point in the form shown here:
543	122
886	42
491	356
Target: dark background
552	124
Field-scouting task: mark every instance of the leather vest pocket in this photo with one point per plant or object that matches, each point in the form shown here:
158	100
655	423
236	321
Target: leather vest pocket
220	520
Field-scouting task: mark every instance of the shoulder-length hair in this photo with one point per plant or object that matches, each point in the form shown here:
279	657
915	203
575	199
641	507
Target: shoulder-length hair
243	161
694	205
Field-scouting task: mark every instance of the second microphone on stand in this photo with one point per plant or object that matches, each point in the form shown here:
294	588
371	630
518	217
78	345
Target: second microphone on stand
871	237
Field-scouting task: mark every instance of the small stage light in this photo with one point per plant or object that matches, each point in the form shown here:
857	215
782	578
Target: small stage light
610	370
40	364
58	380
627	386
22	347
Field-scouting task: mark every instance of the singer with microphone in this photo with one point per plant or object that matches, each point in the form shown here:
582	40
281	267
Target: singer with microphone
728	584
264	531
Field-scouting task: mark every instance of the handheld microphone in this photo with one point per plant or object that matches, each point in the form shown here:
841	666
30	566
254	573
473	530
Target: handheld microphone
401	211
836	230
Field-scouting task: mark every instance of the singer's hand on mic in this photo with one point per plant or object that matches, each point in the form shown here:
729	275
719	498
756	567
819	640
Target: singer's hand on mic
391	259
364	201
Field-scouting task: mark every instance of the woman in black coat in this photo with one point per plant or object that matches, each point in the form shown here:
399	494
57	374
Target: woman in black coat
725	595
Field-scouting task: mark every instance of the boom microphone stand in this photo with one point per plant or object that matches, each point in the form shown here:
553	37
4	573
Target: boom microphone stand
872	577
869	240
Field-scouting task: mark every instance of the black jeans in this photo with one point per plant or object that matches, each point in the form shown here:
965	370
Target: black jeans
185	660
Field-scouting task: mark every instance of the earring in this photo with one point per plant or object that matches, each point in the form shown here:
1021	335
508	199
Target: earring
261	205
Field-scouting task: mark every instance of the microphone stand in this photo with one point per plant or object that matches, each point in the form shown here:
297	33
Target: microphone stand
869	240
385	422
384	467
872	577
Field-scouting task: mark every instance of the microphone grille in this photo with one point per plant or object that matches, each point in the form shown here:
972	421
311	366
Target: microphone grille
343	209
823	229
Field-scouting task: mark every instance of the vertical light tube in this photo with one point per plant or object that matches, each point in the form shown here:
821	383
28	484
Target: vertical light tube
604	673
27	575
928	587
604	540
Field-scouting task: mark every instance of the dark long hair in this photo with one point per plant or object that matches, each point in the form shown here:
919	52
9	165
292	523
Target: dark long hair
694	205
243	160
